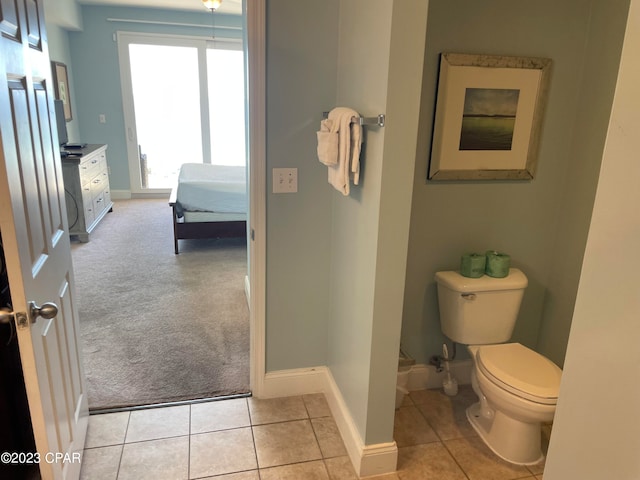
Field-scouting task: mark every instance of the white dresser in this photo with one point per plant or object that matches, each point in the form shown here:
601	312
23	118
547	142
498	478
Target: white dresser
87	193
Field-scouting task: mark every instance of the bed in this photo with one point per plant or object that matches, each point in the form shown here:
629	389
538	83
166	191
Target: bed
209	201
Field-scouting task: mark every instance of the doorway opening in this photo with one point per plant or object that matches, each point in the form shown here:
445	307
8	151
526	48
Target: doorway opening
179	322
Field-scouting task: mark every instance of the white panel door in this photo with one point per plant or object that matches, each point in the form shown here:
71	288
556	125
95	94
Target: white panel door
33	225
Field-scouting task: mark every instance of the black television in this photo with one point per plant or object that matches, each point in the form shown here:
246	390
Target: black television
61	122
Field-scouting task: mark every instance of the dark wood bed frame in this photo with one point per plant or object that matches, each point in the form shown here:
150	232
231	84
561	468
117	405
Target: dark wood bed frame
198	230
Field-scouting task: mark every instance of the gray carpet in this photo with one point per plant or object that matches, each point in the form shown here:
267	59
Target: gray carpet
158	327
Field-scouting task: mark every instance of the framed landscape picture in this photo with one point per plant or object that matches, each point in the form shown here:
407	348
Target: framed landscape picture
61	83
488	118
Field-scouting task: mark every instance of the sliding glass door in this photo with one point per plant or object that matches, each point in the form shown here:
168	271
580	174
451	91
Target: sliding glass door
184	103
225	75
166	101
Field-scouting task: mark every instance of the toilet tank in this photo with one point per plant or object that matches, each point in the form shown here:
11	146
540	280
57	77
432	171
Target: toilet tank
479	311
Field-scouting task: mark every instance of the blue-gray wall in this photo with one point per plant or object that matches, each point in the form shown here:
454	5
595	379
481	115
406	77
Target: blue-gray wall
602	57
380	59
302	47
58	39
542	223
61	17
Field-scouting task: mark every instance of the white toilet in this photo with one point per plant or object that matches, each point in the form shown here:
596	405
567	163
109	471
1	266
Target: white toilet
517	387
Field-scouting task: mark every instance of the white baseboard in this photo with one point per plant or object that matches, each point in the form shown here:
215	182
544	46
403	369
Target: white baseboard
127	195
380	459
423	376
153	194
367	460
121	194
301	381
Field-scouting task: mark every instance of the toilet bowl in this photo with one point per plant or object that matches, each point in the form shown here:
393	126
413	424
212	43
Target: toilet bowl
517	390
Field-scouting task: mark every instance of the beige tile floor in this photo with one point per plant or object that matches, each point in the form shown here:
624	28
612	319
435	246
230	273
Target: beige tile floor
292	438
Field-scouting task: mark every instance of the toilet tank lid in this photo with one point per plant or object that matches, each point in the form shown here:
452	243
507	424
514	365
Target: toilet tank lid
453	280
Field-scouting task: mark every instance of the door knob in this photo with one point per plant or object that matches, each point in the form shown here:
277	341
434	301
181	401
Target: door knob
47	311
6	315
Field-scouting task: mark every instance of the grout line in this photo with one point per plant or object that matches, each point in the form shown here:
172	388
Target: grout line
441	440
428	422
249	412
126	430
189	447
253	439
302	463
225	475
455	459
315	434
306	409
239	427
155	439
306	417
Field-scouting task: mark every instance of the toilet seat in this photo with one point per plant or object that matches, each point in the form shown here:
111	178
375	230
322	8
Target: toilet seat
521	371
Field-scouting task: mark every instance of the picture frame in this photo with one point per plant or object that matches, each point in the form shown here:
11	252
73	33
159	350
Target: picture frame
488	118
62	92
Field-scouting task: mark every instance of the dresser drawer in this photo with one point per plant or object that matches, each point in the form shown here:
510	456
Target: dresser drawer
98	204
89	213
89	168
87	196
107	196
98	183
87	205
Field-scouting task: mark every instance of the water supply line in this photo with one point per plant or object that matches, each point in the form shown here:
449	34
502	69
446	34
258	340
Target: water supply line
449	383
437	360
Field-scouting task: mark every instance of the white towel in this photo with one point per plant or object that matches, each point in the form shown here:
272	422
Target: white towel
349	145
328	143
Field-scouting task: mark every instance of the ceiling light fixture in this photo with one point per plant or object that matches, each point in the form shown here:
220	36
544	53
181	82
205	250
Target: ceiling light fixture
212	5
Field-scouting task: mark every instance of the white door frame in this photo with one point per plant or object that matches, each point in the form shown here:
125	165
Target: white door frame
256	45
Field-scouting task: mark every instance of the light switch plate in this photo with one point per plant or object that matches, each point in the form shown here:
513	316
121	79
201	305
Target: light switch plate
285	180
